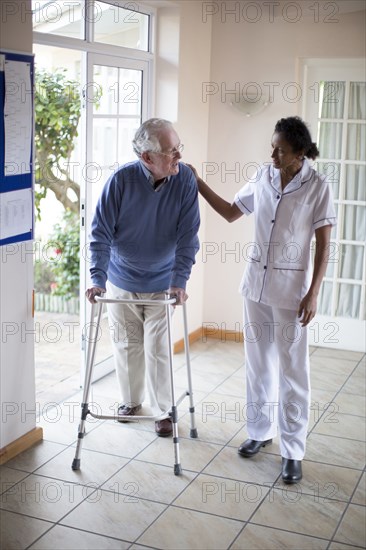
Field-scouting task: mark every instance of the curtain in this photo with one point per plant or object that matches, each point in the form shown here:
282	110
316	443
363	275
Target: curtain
351	187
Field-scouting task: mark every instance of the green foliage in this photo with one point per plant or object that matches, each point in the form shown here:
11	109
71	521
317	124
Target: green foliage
57	115
65	265
43	277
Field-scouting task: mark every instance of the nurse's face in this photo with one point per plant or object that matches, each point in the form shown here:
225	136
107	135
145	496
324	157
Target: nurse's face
283	156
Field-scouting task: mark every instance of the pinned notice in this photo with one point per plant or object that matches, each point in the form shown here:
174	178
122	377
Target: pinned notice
17	118
16	213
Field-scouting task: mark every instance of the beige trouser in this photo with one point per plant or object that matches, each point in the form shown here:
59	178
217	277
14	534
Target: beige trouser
140	339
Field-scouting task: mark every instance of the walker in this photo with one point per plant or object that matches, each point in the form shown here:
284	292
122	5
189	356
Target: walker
172	412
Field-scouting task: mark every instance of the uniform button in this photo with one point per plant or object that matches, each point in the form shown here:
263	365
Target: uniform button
265	267
278	196
273	221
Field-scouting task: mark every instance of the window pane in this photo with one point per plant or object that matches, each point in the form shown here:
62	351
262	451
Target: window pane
120	27
62	18
332	171
129	92
357	100
332	99
126	132
351	262
349	301
356	141
105	142
330	140
105	85
355	188
325	298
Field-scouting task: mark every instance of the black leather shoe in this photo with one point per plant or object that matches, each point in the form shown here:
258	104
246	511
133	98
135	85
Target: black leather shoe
291	470
251	447
124	411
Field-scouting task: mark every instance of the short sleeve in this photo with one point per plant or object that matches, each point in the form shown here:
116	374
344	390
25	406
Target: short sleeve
244	199
324	211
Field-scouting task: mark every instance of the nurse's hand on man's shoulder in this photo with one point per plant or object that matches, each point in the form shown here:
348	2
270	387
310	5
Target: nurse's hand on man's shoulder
92	292
307	309
180	295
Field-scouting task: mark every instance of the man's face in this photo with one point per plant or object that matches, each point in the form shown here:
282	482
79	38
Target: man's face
165	163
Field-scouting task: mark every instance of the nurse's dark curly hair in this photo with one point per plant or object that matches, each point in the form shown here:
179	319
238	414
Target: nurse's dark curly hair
296	133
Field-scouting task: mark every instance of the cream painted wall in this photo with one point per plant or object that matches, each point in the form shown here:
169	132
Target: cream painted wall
183	59
262	52
16	281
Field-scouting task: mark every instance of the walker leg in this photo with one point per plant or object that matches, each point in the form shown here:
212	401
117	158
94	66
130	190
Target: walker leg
87	382
193	432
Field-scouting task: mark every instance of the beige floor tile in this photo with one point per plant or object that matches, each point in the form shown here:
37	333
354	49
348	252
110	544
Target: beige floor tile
18	532
9	477
114	515
340	546
150	481
360	494
299	513
355	384
119	439
37	455
44	498
194	454
222	497
200	380
214	363
323	482
331	365
179	528
320	378
255	537
262	468
213	430
65	538
351	403
338	354
95	468
62	430
335	450
352	529
342	425
235	385
224	406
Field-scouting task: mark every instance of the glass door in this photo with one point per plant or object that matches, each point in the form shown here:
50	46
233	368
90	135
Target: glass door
337	114
115	100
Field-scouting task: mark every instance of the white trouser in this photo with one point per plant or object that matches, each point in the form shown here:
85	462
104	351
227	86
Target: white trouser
140	338
278	377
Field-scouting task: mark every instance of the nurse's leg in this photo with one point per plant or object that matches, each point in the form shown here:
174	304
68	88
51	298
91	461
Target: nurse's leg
291	339
261	362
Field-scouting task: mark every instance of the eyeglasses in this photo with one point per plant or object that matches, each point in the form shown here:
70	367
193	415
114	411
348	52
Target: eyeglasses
173	152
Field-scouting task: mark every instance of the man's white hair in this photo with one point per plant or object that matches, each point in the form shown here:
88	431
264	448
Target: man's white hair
146	137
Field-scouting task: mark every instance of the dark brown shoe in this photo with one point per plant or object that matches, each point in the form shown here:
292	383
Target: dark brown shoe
164	428
125	411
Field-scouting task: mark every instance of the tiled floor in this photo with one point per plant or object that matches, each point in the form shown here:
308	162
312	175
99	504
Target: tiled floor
127	496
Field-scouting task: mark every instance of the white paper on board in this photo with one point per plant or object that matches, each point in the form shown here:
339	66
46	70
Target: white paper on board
17	118
16	214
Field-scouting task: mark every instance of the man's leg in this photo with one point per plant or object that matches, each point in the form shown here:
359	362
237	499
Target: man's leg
126	325
157	354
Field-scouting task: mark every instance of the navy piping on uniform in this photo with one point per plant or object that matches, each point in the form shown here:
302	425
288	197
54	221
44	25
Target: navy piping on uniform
250	211
288	269
327	218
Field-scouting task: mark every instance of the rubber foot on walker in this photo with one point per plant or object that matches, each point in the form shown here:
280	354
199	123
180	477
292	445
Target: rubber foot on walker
193	433
177	469
76	464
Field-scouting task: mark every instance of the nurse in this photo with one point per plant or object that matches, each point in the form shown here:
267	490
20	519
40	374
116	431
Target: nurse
290	202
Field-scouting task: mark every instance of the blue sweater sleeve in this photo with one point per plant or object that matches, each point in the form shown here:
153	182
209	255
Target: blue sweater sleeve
187	239
102	231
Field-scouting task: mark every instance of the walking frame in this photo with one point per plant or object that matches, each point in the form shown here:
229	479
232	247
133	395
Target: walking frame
172	412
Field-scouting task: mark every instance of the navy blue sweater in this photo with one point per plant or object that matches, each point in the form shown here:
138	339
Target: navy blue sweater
142	240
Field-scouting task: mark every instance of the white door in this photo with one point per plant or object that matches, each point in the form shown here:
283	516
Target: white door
335	108
115	99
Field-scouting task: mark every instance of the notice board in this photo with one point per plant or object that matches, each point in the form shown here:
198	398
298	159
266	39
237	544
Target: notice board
16	147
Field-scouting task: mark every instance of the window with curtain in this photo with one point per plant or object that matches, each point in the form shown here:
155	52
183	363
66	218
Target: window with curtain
342	144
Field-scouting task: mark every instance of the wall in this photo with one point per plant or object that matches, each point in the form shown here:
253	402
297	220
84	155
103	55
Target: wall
183	53
16	282
266	51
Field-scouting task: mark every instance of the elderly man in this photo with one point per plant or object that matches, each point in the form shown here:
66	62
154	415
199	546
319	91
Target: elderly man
143	243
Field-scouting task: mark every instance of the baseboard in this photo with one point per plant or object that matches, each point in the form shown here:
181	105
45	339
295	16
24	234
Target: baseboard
21	444
192	337
205	333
